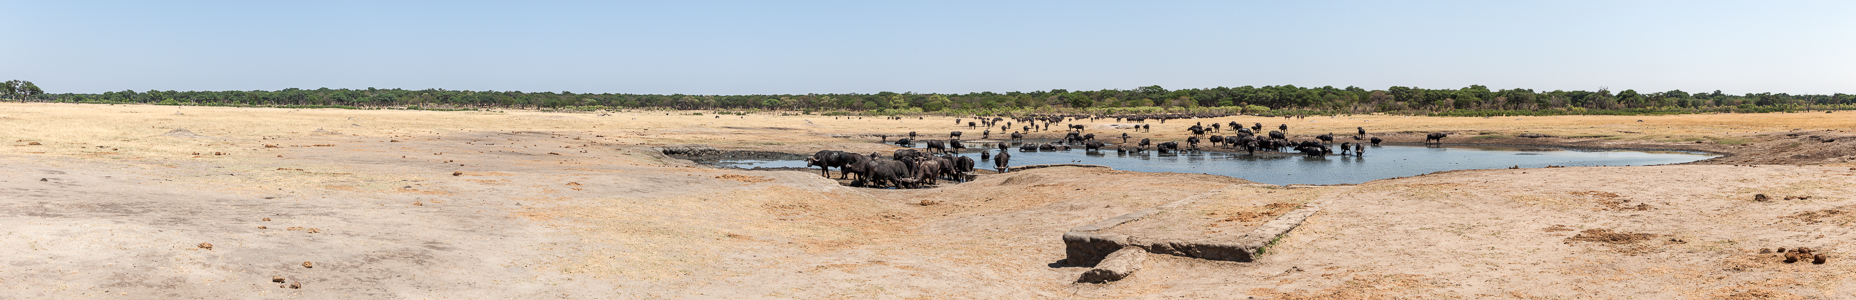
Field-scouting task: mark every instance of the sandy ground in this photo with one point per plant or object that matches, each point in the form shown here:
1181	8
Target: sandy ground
106	201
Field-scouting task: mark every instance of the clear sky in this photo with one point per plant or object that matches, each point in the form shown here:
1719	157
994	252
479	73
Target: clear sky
764	47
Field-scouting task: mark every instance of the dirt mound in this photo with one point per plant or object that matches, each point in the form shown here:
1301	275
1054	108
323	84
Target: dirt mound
1599	235
184	133
1022	179
1839	216
1611	201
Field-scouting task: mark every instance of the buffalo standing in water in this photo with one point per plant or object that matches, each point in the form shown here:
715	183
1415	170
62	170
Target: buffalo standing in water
1327	138
1144	143
986	155
911	134
1092	146
935	146
1003	162
1359	150
1018	137
1434	137
956	145
1167	147
1376	141
904	142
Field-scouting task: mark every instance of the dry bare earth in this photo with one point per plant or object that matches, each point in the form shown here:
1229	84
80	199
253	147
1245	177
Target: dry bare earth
579	206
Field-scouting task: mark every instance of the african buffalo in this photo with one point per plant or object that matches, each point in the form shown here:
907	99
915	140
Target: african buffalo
936	146
1434	136
1167	147
1376	141
825	159
1002	162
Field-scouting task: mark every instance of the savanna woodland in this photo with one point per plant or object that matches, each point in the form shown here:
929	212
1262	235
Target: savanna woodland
1475	100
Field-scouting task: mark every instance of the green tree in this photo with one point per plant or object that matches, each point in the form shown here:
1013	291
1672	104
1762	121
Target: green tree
1079	100
936	102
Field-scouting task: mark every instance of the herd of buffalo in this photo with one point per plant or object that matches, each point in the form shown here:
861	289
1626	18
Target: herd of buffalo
911	168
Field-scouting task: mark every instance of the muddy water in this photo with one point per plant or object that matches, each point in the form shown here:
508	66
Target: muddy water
1379	162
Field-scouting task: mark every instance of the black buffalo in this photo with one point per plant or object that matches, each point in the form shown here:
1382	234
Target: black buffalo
1167	147
936	146
953	135
1434	137
1278	135
825	159
1092	145
1002	162
1376	141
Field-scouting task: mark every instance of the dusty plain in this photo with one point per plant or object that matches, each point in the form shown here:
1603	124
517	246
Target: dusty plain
111	201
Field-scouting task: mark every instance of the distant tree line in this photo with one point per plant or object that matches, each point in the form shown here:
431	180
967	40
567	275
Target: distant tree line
1327	99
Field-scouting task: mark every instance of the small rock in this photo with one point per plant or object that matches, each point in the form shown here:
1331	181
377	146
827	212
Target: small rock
262	227
418	204
33	144
1781	249
1817	259
1802	250
1791	257
308	265
296	285
1765	250
45	179
1761	198
1116	266
457	173
313	230
926	202
267	219
207	246
277	279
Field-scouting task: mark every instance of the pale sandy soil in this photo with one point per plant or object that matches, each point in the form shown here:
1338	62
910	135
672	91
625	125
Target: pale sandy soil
579	206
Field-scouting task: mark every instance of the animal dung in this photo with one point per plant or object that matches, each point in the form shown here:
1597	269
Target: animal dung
1817	259
1792	257
393	141
308	265
313	230
418	204
1761	198
267	219
207	246
1802	250
455	173
278	279
1781	249
33	144
928	202
1765	250
262	227
296	285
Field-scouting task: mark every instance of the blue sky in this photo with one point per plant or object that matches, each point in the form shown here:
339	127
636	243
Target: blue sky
763	47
